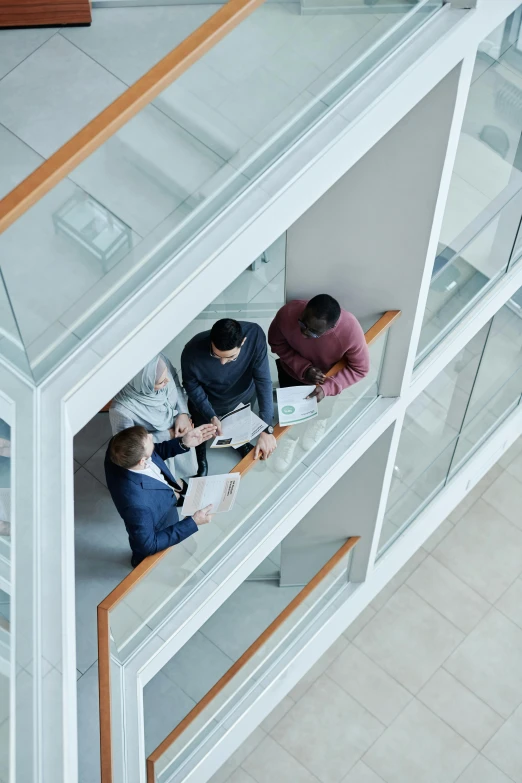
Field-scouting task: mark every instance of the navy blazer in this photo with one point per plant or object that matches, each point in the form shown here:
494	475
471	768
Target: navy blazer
147	506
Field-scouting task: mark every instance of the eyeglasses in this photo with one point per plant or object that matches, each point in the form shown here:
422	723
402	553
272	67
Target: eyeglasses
308	330
311	332
228	358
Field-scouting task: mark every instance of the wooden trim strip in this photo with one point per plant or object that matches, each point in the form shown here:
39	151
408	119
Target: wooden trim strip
375	331
248	654
130	581
104	690
381	325
123	109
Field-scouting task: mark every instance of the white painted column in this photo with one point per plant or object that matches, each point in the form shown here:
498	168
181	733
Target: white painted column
462	92
366	240
43	742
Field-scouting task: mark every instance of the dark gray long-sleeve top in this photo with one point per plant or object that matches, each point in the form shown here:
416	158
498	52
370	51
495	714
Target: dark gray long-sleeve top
215	388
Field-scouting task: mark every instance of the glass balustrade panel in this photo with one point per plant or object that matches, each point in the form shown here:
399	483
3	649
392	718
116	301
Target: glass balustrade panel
428	439
498	384
134	203
407	500
460	280
455	415
217	715
480	234
185	565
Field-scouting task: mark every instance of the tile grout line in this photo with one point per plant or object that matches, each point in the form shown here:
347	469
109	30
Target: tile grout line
452	728
268	734
499	513
490	605
479	698
496	765
56	32
384	725
505	591
431	607
127	86
518	579
91	474
325	673
443	665
492	737
100	65
42	157
314	664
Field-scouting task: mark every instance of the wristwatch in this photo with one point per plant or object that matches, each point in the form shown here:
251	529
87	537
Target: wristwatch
269	429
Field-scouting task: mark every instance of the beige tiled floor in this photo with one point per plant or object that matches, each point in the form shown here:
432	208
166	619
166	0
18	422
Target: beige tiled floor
426	685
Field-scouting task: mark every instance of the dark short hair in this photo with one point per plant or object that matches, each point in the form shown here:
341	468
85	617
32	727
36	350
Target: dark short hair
226	334
128	447
325	308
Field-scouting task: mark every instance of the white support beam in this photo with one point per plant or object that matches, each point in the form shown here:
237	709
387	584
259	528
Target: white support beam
463	5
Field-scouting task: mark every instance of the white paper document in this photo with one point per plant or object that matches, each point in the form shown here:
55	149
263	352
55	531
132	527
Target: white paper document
220	491
294	407
239	426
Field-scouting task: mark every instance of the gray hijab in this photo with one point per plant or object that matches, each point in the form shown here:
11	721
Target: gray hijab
157	407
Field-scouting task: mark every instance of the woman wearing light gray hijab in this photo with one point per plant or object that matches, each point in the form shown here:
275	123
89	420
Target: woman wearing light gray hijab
155	400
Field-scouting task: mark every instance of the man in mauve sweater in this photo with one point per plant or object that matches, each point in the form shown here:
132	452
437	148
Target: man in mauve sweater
310	337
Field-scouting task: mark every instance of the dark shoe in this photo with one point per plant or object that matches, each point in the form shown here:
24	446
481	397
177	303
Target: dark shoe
244	450
201	455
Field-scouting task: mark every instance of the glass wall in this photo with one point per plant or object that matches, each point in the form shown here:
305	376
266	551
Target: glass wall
480	237
132	205
454	415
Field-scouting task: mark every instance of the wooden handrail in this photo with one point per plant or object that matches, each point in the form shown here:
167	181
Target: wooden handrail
128	584
123	109
247	655
104	694
375	331
242	467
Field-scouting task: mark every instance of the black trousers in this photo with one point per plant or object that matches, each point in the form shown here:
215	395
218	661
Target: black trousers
286	380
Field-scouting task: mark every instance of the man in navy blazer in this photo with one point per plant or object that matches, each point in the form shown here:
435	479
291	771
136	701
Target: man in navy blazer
145	492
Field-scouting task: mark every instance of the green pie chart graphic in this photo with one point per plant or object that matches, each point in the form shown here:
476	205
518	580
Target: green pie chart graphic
288	409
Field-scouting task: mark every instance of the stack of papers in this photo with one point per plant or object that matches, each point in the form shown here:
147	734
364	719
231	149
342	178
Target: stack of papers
293	405
239	426
220	491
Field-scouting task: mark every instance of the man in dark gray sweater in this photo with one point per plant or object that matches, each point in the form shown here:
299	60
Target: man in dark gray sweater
223	368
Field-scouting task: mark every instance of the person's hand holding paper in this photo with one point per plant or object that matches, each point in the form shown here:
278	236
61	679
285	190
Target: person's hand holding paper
296	404
219	492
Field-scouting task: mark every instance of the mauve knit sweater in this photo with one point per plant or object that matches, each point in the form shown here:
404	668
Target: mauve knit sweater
297	353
